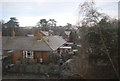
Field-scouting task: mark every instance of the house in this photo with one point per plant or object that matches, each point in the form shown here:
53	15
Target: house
31	48
66	48
66	36
43	33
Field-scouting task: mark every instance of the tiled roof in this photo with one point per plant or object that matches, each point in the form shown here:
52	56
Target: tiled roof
54	41
48	43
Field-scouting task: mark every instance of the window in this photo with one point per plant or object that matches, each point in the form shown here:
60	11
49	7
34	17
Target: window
28	54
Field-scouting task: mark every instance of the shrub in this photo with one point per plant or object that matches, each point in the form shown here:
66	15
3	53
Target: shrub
54	58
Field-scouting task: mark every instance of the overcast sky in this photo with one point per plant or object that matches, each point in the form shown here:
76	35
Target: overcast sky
29	12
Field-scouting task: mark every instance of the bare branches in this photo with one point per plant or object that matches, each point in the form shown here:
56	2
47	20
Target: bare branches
90	15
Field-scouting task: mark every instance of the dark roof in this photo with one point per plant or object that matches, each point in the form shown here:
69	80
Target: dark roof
49	43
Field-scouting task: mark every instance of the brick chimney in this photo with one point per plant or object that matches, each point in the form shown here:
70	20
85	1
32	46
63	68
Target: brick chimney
39	36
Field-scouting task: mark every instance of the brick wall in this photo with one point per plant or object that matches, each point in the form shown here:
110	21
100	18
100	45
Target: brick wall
17	55
38	55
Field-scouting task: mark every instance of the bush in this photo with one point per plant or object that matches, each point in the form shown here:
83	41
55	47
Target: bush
53	69
35	68
54	58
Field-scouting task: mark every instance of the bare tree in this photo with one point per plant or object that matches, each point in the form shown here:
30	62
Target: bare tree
89	14
92	42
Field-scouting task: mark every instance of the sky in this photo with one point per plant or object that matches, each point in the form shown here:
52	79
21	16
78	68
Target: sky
29	12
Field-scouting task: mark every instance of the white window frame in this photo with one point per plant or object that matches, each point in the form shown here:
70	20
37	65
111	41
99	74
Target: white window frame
25	54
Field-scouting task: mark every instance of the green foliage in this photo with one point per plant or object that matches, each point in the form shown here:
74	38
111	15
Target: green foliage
52	22
94	47
93	38
54	58
46	25
10	26
74	46
95	44
103	33
73	37
34	69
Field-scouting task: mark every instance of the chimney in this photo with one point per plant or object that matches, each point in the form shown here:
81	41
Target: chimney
39	36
